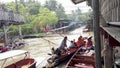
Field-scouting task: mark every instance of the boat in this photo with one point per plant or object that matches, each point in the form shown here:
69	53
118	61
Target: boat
51	63
25	62
82	59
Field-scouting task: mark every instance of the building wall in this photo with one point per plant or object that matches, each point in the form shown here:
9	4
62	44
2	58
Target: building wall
109	12
110	9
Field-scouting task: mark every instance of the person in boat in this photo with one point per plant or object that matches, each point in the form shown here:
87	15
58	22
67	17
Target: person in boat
63	45
21	42
89	43
79	43
72	44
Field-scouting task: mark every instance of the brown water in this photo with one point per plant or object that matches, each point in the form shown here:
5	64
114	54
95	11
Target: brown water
39	48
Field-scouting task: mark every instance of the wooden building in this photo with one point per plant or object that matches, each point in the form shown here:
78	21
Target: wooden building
9	19
109	18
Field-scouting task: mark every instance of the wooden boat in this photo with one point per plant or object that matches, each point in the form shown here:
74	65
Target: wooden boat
60	59
26	62
82	59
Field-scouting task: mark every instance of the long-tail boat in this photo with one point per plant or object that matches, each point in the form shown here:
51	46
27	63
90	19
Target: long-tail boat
82	59
51	63
25	62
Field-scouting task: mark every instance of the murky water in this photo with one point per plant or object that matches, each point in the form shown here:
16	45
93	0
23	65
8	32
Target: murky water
40	47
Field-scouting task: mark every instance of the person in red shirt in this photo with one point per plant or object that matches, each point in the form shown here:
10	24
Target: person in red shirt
79	43
89	43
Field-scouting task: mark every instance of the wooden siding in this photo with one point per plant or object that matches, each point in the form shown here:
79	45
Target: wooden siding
110	10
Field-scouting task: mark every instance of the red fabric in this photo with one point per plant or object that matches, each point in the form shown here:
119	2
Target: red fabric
89	43
79	43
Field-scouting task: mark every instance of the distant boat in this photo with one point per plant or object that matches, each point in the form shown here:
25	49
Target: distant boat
25	62
82	59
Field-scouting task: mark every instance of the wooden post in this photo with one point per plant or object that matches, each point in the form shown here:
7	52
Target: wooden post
108	54
97	33
20	32
5	36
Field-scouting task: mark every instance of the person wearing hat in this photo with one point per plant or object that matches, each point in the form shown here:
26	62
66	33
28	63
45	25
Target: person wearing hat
89	43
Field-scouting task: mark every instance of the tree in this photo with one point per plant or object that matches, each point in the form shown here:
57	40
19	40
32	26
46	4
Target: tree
52	5
12	6
33	8
60	12
22	2
45	17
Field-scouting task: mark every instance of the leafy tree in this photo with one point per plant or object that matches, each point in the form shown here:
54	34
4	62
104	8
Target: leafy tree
60	12
22	2
33	8
52	5
12	6
45	17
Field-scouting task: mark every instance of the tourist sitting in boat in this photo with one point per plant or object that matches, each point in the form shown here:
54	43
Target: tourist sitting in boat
21	42
72	44
89	43
63	45
79	43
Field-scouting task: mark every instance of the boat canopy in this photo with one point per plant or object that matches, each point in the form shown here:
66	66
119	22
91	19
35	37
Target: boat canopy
11	53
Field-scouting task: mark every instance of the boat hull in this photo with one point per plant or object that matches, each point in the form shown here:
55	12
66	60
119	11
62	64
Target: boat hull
60	59
81	60
25	63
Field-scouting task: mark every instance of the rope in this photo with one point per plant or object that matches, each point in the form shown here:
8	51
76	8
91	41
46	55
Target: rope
60	35
49	41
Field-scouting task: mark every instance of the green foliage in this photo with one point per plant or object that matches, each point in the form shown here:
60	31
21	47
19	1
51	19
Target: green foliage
37	17
60	12
52	5
45	17
12	6
33	8
27	29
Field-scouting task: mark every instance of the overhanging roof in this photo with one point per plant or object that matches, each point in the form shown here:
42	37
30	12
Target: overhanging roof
77	1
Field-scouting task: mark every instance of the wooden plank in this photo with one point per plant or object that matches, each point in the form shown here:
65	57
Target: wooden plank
86	57
83	61
113	31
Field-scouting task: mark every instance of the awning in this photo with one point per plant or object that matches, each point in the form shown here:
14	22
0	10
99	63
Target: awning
11	53
77	1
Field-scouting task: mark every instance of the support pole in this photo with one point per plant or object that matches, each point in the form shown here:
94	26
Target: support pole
5	36
19	26
97	33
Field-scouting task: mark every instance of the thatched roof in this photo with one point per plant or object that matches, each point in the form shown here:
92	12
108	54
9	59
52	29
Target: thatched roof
11	18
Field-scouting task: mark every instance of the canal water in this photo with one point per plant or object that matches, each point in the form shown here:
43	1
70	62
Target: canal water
40	47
